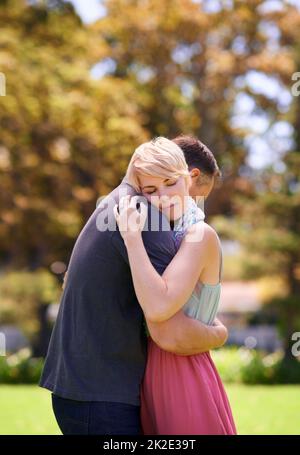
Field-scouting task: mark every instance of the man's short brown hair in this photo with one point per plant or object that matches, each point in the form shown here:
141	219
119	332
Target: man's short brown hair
198	155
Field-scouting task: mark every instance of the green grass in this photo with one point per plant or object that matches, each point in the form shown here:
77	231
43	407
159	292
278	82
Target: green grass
265	409
256	409
26	409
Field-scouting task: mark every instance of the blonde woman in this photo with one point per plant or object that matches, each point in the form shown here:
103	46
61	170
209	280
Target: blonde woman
179	394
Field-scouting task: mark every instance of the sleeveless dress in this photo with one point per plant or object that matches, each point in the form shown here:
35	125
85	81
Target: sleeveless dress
184	395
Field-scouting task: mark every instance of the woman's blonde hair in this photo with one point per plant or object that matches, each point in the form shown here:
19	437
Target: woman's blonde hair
160	157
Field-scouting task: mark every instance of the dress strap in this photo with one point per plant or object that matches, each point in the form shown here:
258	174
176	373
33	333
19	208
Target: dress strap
221	262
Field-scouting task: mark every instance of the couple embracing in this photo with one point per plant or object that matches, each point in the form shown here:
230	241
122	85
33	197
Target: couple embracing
129	352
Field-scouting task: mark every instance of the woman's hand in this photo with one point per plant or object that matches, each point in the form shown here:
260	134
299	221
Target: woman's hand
130	220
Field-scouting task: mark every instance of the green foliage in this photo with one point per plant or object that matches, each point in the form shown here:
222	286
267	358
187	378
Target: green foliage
20	368
287	310
288	372
22	294
65	137
268	228
241	365
235	365
228	362
260	369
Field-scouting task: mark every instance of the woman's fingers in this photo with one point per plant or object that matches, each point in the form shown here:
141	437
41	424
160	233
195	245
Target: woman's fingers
124	202
128	217
144	211
133	202
116	213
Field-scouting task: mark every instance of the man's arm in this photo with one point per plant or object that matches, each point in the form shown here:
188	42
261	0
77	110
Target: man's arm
183	335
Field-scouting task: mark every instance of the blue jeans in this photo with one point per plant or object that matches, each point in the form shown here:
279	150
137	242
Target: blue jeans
96	417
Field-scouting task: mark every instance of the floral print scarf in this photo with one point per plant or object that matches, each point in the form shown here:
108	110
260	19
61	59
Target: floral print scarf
192	215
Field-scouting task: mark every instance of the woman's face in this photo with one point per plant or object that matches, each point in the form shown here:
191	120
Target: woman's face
168	195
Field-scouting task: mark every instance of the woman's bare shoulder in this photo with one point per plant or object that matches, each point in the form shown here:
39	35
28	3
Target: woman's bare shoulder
202	234
203	227
211	232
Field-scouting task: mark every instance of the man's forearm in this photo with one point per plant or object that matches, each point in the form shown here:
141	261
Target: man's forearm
183	335
199	337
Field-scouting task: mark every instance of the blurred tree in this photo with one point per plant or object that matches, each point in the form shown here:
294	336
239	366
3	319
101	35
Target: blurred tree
25	298
65	138
163	68
269	228
268	221
189	62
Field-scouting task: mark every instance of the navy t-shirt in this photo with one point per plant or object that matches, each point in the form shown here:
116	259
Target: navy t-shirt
98	346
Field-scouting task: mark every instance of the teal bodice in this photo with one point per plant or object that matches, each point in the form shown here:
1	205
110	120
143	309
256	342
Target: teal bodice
204	301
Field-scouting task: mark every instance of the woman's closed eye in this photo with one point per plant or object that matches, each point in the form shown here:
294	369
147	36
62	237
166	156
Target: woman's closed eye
171	183
153	191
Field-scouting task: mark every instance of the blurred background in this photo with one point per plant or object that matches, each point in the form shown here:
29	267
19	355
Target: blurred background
82	84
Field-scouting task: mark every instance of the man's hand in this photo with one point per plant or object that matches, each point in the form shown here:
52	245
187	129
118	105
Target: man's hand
221	330
183	335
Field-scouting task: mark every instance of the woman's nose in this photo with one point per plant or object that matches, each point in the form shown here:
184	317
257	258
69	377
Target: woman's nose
164	191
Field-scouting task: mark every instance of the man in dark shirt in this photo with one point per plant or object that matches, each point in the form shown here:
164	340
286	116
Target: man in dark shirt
98	348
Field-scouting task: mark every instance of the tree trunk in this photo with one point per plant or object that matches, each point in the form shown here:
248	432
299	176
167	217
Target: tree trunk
42	341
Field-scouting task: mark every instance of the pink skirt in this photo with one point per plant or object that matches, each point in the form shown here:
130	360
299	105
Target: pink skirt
183	395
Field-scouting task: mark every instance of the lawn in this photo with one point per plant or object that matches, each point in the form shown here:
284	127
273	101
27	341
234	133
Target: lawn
257	410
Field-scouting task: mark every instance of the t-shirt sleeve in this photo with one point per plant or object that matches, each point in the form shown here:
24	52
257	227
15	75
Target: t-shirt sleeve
158	240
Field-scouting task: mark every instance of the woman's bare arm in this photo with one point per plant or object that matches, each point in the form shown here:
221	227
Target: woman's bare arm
162	296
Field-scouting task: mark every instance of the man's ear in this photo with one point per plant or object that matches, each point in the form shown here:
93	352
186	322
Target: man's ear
195	172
